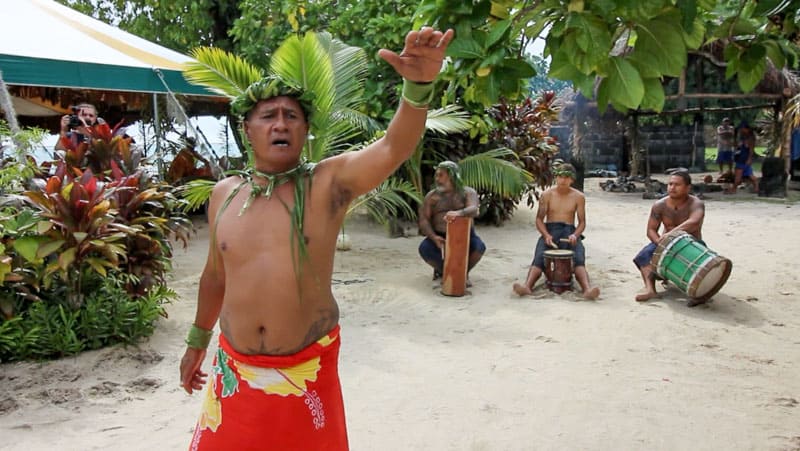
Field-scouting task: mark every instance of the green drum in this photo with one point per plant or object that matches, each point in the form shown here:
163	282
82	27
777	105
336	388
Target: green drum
695	269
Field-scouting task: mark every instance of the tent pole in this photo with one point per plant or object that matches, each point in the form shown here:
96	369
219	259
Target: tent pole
213	158
157	127
11	117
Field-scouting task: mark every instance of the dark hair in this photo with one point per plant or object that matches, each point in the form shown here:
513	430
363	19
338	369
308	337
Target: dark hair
684	174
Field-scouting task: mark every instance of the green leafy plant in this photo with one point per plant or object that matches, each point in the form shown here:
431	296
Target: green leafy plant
81	229
524	130
153	215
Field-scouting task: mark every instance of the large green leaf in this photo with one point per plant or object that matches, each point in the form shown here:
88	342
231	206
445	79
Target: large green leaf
196	193
735	26
732	54
585	62
653	95
643	62
602	96
790	51
516	68
349	65
220	71
465	47
305	62
486	89
498	29
562	68
27	246
752	67
688	10
625	85
388	200
48	248
99	264
592	35
490	171
775	53
666	48
66	258
694	34
450	119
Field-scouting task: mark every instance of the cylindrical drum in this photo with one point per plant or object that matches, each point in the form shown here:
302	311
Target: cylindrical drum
695	269
558	270
456	255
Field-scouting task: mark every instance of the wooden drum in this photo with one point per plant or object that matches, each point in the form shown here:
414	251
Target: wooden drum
456	257
558	270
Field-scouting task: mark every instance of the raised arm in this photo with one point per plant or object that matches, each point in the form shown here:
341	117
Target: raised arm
420	62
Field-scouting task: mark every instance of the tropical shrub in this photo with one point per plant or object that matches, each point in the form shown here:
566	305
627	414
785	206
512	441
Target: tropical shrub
84	253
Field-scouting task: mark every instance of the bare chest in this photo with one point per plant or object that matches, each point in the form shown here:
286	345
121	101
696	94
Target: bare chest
448	202
674	214
269	228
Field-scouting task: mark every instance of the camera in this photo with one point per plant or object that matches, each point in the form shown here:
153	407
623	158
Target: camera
74	120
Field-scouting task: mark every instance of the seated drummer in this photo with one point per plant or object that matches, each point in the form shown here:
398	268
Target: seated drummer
678	211
443	204
559	206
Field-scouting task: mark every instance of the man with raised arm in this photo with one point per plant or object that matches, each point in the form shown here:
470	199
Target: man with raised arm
274	383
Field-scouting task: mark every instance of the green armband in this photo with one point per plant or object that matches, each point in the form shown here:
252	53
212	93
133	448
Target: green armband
198	338
418	95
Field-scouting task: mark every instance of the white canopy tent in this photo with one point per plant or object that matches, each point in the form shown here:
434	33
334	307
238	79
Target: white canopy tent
44	44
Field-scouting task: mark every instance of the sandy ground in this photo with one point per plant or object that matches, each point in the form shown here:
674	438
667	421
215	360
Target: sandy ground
489	371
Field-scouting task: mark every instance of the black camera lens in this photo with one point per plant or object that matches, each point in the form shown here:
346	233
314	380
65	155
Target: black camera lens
74	121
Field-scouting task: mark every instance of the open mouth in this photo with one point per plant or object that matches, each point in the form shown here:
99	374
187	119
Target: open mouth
280	143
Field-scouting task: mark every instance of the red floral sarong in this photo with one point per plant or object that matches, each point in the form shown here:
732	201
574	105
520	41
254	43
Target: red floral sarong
260	402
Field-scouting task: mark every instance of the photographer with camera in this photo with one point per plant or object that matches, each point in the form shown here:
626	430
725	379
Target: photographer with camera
76	126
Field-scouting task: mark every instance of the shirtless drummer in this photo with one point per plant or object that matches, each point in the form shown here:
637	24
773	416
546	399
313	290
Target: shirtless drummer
680	210
559	206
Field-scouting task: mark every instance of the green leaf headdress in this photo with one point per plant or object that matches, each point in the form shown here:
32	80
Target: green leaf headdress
267	88
454	172
564	170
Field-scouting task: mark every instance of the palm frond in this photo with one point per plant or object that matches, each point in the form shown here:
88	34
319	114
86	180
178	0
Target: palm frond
388	200
350	66
196	193
220	71
307	64
491	172
341	136
450	119
358	120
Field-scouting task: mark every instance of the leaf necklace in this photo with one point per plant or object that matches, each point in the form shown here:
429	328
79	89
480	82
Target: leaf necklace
299	174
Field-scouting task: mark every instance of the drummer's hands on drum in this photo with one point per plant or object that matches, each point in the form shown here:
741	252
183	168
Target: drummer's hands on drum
451	215
572	239
548	240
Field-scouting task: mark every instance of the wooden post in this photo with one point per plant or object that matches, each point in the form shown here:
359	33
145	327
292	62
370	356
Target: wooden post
456	257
